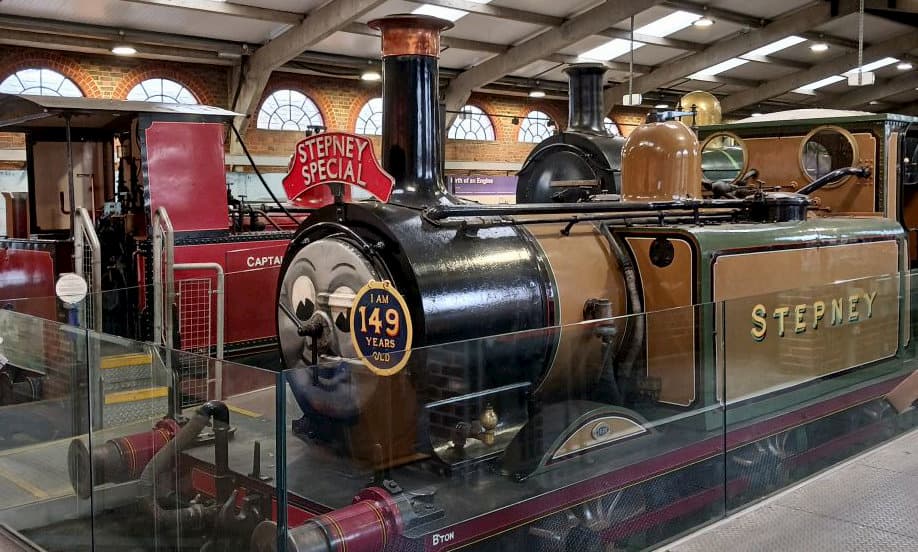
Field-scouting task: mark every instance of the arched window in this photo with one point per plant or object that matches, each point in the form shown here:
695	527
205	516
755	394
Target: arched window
162	91
369	120
40	82
471	124
536	127
611	127
289	110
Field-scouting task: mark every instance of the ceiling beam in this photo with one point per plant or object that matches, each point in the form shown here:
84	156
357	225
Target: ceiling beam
131	36
718	13
446	41
318	25
577	28
742	43
611	65
103	46
656	41
834	66
866	94
227	8
723	79
772	60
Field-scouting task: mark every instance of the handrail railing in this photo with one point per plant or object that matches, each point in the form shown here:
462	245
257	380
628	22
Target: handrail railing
84	236
163	277
164	294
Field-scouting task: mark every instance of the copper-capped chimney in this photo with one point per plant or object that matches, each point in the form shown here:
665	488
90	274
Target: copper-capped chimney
585	111
411	140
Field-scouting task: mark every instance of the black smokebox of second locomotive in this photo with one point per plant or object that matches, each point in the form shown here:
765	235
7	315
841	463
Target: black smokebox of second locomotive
411	140
584	109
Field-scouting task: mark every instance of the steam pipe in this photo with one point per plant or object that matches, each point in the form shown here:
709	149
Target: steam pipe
585	111
116	460
192	516
635	305
828	178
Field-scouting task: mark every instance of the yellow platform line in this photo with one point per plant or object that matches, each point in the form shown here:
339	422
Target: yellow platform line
120	397
121	361
243	411
23	484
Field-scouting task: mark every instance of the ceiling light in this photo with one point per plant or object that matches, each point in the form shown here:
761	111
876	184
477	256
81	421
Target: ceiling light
819	46
873	102
536	93
123	50
904	66
632	99
703	22
661	106
371	75
757	114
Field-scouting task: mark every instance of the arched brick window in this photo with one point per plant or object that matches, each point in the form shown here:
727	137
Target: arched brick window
369	120
289	110
162	91
535	127
471	124
40	82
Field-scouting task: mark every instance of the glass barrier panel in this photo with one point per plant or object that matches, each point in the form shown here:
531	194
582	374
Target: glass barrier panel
807	374
606	434
44	402
181	454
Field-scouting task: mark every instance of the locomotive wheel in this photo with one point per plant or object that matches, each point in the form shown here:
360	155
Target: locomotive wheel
577	529
764	463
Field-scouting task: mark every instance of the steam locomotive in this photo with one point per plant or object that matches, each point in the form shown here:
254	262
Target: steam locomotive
553	375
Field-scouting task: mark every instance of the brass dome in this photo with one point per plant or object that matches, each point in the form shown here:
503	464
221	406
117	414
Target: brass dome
661	162
707	108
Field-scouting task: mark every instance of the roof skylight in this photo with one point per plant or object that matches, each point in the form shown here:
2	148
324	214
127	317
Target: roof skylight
451	14
810	88
878	64
766	50
660	28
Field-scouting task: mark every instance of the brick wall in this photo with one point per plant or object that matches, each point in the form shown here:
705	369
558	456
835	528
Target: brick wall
339	100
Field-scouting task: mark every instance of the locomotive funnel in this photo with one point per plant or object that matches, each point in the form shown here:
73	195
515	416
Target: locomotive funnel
411	138
585	111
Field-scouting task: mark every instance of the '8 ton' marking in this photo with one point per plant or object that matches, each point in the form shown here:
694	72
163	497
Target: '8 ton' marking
439	539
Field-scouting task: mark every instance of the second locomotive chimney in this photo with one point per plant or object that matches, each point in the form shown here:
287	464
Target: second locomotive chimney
584	109
411	140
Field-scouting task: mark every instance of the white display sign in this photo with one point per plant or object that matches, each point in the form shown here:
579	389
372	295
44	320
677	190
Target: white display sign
71	288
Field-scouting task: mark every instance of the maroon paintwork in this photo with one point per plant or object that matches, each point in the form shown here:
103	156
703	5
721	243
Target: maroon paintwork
251	279
186	174
27	277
